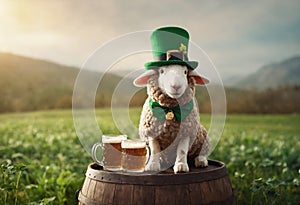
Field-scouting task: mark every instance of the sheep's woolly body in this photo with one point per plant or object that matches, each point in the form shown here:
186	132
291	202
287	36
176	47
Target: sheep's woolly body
169	132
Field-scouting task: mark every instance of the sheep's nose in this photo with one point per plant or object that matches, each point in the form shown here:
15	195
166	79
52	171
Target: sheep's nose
176	87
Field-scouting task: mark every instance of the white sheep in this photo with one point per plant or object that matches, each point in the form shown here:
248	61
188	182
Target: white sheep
172	141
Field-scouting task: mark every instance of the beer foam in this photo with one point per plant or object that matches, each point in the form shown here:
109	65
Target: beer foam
131	144
113	138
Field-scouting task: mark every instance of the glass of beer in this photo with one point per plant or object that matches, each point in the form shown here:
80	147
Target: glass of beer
135	154
111	152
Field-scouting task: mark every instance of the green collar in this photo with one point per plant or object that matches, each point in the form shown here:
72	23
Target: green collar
162	112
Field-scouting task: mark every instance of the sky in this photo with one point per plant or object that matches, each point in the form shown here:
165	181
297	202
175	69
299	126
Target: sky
238	36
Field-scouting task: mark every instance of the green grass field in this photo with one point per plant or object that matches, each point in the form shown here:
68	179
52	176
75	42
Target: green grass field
43	162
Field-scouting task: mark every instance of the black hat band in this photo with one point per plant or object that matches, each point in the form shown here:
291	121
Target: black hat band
172	55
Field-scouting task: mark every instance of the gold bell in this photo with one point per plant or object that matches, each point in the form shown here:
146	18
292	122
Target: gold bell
170	115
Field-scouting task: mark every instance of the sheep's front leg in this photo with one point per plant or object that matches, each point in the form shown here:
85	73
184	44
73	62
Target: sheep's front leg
201	160
181	164
154	161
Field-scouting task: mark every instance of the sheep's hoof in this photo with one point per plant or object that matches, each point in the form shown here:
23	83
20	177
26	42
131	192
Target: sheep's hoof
180	167
201	161
152	166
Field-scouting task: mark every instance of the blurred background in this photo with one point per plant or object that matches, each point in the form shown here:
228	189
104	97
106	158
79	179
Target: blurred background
254	46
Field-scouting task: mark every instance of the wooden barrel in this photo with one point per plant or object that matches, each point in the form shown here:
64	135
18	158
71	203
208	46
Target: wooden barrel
209	185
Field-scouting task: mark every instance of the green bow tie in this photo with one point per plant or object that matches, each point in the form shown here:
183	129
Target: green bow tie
180	112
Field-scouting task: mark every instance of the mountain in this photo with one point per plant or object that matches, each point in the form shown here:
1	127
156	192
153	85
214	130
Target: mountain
231	80
285	73
30	84
33	84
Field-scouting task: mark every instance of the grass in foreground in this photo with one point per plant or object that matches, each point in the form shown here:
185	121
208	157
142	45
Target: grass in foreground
43	162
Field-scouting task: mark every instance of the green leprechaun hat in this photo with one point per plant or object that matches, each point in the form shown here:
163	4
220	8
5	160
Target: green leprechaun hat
170	46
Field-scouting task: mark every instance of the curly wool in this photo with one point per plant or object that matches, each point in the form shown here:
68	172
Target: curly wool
169	132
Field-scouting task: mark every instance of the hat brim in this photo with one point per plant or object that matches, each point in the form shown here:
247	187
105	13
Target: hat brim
154	64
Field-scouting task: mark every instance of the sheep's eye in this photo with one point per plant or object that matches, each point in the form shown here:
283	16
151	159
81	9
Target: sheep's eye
185	72
161	71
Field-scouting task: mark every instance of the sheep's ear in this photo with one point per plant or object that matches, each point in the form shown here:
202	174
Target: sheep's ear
199	80
142	80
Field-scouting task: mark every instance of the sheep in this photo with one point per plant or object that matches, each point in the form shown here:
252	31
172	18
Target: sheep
170	86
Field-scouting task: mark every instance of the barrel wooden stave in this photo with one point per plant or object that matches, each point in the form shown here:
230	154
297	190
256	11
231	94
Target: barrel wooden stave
143	195
216	191
97	189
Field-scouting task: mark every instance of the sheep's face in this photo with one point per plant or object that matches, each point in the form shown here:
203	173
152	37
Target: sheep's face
172	80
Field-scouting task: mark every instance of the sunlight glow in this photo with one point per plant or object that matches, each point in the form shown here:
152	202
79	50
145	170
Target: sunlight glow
2	8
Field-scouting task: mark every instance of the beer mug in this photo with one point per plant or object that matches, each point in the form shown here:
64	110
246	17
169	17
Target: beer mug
111	152
135	155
